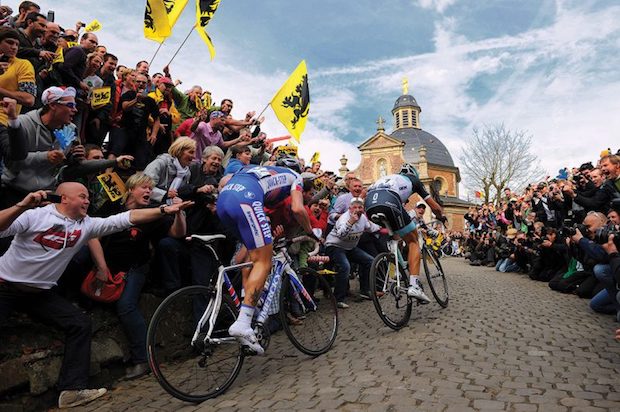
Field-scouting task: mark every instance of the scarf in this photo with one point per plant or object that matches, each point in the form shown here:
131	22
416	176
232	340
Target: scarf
180	175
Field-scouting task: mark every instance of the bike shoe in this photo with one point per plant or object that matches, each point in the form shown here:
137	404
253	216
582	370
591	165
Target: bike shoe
246	337
416	291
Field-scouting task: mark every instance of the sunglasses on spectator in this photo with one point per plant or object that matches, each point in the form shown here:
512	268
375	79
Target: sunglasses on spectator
70	105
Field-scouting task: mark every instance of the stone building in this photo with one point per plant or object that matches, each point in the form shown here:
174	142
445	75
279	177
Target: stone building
384	153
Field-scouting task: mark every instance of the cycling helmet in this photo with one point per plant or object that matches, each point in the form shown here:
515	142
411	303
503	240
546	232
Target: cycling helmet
408	169
289	162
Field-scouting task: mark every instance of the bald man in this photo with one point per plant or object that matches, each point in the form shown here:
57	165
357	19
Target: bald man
46	238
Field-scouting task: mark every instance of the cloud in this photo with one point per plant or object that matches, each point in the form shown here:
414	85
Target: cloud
438	5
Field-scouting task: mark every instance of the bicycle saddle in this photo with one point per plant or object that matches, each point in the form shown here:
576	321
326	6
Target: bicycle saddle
208	238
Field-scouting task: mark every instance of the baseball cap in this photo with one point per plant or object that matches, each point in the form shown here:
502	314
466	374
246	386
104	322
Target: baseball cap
216	114
420	203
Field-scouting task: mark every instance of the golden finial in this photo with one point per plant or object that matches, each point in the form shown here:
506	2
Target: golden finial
405	85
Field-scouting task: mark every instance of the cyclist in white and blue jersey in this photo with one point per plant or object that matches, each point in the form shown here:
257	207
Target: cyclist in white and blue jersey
387	196
240	206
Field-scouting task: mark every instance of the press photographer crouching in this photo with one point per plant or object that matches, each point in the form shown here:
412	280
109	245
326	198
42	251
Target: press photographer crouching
604	301
548	254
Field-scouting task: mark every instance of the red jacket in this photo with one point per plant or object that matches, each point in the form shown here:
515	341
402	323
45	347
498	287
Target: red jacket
320	222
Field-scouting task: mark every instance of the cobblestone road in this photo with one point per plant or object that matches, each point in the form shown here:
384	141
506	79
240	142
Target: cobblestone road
504	343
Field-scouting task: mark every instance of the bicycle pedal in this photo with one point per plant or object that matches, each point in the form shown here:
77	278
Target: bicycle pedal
247	351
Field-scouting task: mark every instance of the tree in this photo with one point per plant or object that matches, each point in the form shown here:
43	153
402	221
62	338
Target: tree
496	158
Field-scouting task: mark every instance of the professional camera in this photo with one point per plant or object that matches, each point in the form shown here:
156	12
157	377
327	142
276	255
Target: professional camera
568	231
602	235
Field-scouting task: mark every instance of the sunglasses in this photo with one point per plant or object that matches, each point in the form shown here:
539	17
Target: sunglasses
70	105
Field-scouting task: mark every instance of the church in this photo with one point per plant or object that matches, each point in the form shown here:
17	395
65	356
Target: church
383	154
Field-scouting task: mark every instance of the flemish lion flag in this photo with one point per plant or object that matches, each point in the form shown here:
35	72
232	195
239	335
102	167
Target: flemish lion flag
291	104
156	24
205	9
173	9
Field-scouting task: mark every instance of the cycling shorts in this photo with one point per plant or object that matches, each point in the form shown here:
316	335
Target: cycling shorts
388	203
240	208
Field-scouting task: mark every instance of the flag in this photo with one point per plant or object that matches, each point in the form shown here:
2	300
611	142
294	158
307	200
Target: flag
478	195
173	9
291	104
156	24
93	26
205	9
315	157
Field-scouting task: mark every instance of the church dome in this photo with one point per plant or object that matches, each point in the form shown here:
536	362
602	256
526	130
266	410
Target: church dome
406	100
414	138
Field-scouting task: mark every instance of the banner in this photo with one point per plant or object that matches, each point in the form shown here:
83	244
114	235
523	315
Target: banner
113	185
291	104
93	26
156	24
100	97
205	9
60	56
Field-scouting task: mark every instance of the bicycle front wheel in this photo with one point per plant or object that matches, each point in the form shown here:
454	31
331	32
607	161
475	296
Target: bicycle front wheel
390	291
309	319
193	373
436	277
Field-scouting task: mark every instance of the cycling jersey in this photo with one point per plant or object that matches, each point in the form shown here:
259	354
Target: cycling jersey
241	203
404	185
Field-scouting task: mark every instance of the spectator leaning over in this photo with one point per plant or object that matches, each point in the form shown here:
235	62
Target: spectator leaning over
341	246
171	170
47	238
30	41
210	133
16	77
355	188
129	251
186	103
38	169
71	71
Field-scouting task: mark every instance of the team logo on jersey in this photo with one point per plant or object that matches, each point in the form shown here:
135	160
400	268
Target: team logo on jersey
249	195
57	238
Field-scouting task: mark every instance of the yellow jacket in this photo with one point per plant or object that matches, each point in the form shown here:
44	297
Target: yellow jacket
158	96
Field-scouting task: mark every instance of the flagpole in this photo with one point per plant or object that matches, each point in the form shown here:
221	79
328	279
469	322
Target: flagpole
156	51
259	115
182	44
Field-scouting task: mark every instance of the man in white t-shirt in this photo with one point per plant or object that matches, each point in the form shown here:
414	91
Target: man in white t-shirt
46	238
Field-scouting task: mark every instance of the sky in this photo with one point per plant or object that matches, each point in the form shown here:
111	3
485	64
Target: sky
547	67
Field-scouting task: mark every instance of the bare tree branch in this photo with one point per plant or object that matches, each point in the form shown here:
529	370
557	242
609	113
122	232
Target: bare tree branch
495	158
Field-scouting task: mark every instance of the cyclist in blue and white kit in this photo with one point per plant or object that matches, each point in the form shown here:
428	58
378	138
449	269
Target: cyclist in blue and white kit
387	196
240	206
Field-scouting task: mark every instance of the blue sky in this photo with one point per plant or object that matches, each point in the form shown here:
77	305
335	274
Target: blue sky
548	67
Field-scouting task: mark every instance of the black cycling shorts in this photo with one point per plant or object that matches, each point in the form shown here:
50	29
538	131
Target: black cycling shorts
388	202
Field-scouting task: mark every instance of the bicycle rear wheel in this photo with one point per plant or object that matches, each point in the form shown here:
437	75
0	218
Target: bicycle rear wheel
391	301
193	373
310	322
436	277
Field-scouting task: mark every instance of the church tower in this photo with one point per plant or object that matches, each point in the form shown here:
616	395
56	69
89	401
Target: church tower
406	110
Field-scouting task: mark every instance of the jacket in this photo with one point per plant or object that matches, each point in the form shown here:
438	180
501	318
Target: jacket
35	171
163	172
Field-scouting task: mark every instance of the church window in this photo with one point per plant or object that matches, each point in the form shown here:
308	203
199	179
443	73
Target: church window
397	120
414	118
406	118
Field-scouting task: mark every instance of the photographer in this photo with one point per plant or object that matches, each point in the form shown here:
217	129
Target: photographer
602	302
597	200
505	250
553	256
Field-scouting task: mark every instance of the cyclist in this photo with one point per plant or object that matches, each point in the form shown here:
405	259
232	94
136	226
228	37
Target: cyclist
387	196
241	206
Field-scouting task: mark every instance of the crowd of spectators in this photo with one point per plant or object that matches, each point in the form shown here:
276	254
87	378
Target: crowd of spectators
60	144
171	153
562	231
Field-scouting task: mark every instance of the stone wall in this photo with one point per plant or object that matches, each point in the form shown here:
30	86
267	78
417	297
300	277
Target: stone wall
31	355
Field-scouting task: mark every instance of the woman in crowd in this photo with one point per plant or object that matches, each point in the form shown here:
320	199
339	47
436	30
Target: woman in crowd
170	171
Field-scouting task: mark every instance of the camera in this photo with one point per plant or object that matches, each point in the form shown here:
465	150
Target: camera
568	231
602	235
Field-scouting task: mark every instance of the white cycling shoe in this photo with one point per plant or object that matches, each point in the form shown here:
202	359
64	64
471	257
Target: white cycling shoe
416	291
246	337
